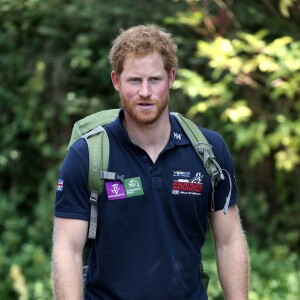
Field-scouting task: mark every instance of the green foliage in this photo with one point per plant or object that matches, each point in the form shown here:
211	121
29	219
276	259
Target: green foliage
285	5
274	272
272	69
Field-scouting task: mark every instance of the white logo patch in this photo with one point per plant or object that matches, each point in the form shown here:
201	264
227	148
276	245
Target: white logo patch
177	136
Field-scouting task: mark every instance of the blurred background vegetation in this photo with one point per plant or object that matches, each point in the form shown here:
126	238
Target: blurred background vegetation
239	74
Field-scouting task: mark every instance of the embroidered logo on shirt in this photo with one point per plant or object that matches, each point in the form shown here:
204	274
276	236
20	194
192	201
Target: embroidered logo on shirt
197	178
133	187
60	185
115	190
181	174
177	136
187	187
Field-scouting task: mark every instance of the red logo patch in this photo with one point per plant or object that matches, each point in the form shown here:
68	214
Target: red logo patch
187	186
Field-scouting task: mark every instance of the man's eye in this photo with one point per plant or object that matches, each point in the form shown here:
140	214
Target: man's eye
155	79
134	80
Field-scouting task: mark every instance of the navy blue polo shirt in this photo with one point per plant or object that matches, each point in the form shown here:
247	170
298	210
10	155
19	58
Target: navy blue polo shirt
152	226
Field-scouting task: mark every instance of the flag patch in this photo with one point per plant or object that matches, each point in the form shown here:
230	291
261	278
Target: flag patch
60	185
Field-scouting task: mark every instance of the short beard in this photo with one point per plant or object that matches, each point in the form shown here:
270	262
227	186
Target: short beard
143	117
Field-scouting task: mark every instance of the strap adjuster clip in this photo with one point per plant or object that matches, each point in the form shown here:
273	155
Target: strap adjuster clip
94	198
105	175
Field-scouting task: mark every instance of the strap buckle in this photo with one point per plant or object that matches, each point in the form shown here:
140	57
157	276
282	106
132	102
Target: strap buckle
111	176
94	198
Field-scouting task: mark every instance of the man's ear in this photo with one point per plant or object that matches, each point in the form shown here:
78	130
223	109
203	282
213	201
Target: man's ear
115	80
172	76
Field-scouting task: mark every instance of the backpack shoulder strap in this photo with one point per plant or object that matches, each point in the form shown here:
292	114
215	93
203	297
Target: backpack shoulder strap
206	154
98	146
90	122
90	128
201	145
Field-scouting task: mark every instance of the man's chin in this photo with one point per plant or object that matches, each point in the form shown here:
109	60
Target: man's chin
146	120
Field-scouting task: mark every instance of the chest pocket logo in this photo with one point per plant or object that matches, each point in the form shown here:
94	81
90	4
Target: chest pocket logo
133	187
184	186
117	190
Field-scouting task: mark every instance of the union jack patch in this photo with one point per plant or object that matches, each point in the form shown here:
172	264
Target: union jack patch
60	185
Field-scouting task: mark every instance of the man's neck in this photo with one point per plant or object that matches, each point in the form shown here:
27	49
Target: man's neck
150	137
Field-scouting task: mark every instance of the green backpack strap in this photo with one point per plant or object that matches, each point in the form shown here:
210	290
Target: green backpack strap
205	152
90	122
98	145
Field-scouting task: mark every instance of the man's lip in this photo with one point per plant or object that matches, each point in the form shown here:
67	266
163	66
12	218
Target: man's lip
145	104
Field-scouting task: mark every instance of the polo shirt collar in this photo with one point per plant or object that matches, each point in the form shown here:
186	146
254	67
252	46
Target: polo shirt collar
177	137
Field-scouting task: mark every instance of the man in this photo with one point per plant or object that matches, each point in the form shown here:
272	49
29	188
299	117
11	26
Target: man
148	244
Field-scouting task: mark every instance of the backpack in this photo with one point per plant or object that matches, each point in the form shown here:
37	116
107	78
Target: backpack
91	129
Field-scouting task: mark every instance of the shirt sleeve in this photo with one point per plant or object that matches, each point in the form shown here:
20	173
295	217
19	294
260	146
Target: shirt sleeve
72	194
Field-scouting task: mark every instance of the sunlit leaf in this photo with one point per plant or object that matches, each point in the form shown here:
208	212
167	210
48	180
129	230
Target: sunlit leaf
285	5
239	112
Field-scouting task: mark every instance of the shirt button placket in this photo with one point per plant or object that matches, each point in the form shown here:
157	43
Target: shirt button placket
148	163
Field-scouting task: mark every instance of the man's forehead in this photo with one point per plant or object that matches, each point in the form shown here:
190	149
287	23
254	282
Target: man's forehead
142	55
154	59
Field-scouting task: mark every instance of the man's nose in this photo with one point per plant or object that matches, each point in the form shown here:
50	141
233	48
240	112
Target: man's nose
145	90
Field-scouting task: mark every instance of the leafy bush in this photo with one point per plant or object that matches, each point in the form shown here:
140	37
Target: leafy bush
275	272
